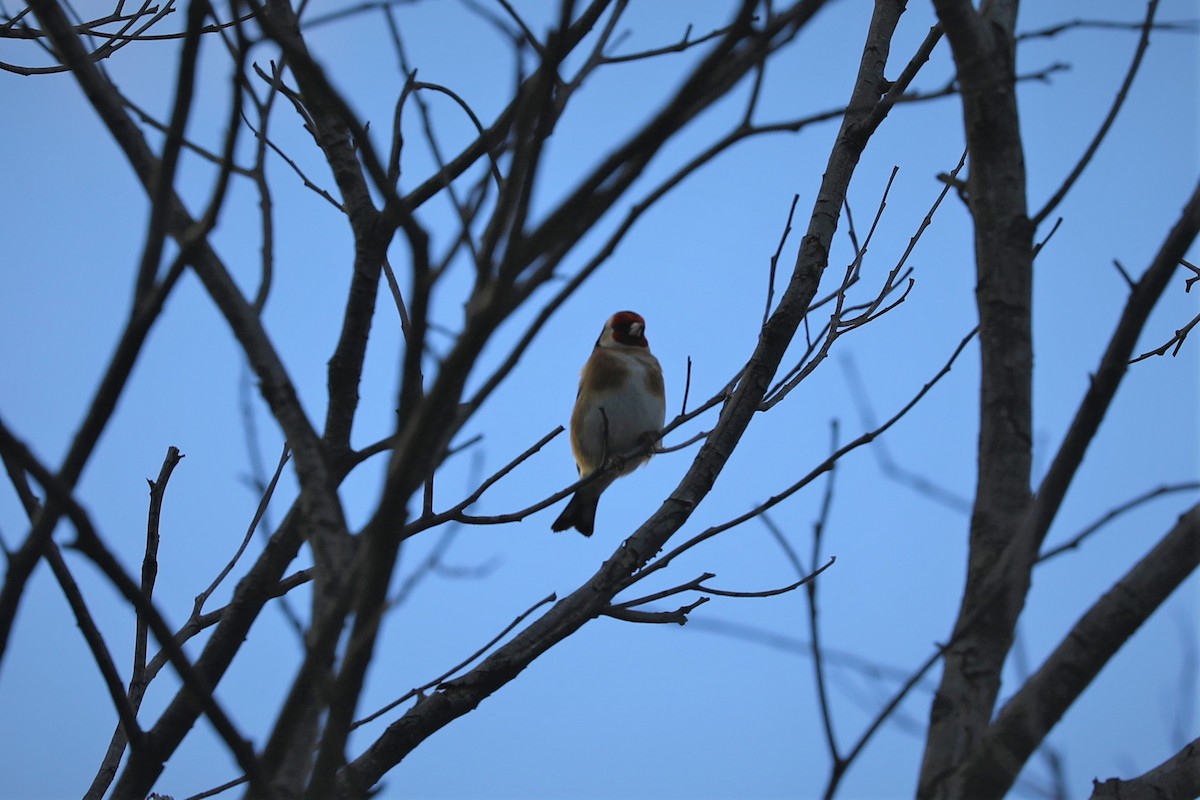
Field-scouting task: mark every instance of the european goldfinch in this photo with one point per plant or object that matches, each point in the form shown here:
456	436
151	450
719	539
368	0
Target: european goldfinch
620	405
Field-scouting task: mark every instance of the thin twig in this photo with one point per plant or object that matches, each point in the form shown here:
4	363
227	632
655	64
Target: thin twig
1037	248
1124	274
687	387
787	228
201	598
1075	541
880	718
838	323
1188	26
697	585
150	567
686	42
866	438
1176	341
419	691
1118	101
430	520
89	543
814	613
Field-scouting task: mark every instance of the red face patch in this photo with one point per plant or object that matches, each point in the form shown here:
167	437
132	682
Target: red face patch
629	329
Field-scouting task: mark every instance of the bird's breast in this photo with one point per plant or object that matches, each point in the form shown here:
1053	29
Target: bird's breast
621	399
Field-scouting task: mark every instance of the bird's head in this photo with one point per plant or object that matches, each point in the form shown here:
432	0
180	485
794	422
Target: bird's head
623	328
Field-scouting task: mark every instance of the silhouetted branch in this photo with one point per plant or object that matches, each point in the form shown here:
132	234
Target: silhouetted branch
114	41
787	228
421	690
455	512
1028	716
150	568
626	609
128	731
814	615
816	472
1118	101
1178	776
686	42
1105	24
268	493
202	622
459	696
677	617
982	45
838	324
1078	539
90	544
1181	334
1107	378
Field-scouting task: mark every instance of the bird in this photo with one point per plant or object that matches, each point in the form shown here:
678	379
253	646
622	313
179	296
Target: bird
621	403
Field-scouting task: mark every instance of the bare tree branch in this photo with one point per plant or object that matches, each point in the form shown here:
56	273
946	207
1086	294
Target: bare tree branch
139	680
1118	101
814	619
1178	776
825	466
1078	539
459	696
1107	378
474	278
1105	24
838	324
93	28
1030	714
1181	334
88	542
983	48
419	692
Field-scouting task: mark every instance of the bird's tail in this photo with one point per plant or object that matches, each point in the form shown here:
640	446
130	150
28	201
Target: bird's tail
579	514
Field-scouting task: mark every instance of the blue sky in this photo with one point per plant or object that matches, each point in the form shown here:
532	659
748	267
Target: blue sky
618	710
